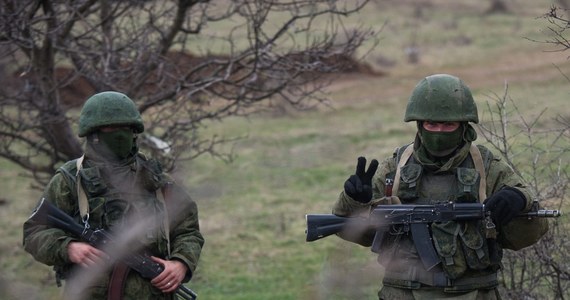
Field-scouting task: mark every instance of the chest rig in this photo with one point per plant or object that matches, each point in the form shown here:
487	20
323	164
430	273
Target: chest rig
463	247
466	183
105	204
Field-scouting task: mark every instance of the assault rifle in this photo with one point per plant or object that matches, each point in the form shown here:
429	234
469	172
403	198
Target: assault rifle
48	214
413	218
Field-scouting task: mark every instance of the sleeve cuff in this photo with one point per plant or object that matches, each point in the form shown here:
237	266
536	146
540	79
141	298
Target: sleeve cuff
186	262
63	254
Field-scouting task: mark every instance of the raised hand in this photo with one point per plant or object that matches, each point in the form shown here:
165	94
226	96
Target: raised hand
359	185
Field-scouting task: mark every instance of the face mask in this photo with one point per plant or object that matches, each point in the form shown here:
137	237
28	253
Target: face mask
441	143
119	142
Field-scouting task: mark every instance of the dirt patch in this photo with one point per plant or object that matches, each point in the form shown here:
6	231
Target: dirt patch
74	88
511	68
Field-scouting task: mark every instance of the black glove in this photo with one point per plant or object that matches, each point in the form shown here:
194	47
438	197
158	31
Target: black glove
359	185
505	205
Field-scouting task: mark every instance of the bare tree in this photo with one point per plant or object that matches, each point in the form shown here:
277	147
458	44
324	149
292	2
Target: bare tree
557	30
540	156
541	271
55	54
563	3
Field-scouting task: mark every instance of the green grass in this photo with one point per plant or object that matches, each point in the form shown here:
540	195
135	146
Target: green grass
252	210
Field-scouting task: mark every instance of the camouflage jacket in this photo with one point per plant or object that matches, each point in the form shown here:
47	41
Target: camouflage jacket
113	192
462	246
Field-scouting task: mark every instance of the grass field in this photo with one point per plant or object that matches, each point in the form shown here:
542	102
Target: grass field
252	210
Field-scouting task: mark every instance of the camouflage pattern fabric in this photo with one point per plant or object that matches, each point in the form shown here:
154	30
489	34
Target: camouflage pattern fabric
114	192
106	109
441	97
464	243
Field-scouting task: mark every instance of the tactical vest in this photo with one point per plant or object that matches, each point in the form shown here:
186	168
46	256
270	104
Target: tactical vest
467	263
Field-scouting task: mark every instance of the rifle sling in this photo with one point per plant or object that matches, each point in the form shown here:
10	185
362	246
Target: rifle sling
117	281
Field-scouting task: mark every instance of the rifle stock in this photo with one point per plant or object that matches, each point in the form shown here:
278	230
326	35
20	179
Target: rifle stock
48	214
323	225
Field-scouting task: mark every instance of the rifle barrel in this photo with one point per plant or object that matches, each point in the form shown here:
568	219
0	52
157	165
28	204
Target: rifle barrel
542	213
186	293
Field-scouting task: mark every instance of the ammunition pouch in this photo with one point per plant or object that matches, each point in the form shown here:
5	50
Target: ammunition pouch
409	178
461	246
151	175
467	185
93	182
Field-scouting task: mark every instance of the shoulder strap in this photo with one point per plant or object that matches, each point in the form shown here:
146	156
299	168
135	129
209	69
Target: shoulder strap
403	159
81	196
480	167
161	195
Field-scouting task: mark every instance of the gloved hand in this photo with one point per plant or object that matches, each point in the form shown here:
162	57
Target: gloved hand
359	185
505	205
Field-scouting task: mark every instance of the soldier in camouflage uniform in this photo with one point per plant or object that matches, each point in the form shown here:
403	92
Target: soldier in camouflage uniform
442	164
118	187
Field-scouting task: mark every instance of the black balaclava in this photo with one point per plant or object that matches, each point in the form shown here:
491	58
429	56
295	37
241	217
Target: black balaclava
115	145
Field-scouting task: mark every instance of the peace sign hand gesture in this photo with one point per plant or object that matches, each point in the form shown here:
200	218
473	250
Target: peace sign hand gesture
359	185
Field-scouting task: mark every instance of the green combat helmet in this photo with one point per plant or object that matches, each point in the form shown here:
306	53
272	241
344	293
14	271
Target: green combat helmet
441	98
106	109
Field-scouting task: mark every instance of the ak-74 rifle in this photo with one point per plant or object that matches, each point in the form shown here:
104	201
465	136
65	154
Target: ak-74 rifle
414	218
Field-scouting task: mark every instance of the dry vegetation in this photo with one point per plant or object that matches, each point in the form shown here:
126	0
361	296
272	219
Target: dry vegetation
295	163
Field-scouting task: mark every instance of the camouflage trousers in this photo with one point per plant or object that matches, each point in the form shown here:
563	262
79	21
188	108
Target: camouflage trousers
392	293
